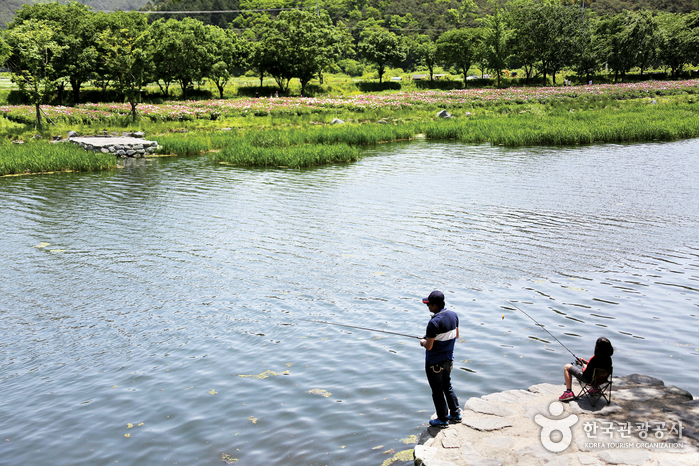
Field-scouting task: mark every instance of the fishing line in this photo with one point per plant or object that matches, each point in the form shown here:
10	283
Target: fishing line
540	325
362	328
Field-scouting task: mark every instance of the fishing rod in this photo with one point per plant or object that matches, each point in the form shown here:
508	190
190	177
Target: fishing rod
362	328
540	325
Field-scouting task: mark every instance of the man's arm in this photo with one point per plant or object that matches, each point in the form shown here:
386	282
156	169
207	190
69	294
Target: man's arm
428	342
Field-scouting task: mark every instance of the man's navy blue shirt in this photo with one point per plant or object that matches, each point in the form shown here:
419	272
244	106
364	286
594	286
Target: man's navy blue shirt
442	327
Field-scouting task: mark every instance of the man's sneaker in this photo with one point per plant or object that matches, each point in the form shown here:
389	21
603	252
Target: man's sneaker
594	391
438	423
454	417
567	396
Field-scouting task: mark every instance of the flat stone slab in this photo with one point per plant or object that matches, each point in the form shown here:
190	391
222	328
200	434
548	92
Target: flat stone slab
481	461
630	457
479	405
510	397
97	141
121	146
495	423
638	394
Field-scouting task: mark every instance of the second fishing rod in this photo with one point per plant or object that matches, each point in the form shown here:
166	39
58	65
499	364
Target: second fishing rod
544	328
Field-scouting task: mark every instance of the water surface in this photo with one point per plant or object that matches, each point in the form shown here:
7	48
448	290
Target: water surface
156	293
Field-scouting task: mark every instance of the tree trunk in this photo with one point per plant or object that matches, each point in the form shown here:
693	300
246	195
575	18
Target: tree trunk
133	110
61	89
38	116
75	84
220	89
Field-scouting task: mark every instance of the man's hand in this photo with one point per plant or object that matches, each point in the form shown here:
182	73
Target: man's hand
427	343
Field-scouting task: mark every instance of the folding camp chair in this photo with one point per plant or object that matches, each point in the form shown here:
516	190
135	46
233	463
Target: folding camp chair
599	387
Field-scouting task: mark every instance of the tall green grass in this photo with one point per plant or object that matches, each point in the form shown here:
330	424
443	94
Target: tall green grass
244	154
45	157
290	147
625	124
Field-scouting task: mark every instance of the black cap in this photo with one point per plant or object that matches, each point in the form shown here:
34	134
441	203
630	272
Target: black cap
436	297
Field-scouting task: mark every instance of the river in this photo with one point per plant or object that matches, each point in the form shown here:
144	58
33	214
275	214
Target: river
153	314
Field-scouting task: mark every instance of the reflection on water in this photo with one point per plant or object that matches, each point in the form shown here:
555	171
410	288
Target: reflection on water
168	295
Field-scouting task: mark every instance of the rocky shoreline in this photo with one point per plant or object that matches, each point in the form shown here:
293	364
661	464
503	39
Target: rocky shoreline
131	145
647	423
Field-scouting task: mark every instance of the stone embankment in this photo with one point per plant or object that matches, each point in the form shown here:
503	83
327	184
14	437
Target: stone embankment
647	423
128	145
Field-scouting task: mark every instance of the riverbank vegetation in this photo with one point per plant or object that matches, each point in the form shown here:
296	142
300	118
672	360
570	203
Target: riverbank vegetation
60	53
295	132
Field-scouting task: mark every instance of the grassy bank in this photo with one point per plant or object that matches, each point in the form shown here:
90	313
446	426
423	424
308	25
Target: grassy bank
304	138
557	125
634	122
42	157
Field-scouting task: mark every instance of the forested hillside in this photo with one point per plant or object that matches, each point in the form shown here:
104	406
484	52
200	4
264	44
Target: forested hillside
8	7
432	17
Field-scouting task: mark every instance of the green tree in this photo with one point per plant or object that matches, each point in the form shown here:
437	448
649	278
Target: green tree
5	51
427	51
627	40
75	29
458	48
301	45
228	52
495	38
585	60
645	34
259	59
164	67
381	48
186	44
543	35
679	41
124	46
33	52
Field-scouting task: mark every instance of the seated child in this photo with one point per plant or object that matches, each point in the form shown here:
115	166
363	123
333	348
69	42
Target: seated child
601	360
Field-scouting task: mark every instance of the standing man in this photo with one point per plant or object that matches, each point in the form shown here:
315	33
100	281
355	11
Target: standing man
442	332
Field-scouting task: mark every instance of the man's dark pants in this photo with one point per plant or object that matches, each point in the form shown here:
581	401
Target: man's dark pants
439	378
